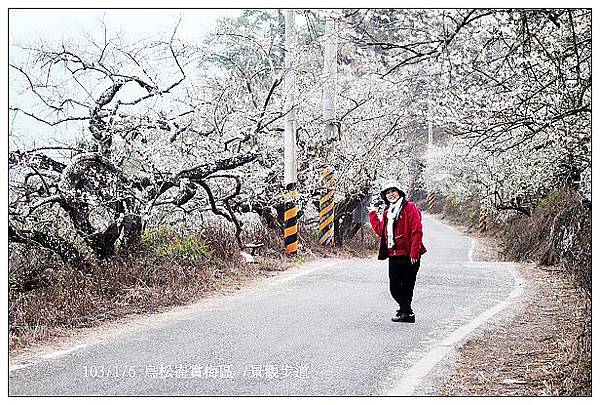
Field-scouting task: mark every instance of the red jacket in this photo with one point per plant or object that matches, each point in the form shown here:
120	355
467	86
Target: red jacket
408	233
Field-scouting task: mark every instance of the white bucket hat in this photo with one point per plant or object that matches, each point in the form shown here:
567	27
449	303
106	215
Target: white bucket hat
390	184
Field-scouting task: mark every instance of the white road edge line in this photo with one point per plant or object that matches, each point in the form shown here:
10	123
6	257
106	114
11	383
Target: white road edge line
303	272
18	367
48	356
60	353
472	250
413	376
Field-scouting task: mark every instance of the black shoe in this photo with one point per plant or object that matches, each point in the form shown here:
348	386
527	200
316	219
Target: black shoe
402	317
398	317
409	318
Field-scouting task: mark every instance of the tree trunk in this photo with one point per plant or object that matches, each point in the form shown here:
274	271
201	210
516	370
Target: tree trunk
344	226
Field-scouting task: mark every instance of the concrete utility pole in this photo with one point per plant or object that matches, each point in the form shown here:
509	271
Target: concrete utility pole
429	112
430	133
329	135
290	152
329	76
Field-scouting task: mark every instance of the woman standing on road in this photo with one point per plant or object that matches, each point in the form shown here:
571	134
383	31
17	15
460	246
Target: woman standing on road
401	233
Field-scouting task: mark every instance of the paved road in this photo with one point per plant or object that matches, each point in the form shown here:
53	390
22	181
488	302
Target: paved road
323	329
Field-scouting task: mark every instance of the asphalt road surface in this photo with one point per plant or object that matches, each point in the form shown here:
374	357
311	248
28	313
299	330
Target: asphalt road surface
321	329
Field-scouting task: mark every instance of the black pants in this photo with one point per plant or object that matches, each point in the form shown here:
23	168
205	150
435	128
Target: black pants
403	275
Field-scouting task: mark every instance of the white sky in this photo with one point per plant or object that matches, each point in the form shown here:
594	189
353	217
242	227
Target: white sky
31	24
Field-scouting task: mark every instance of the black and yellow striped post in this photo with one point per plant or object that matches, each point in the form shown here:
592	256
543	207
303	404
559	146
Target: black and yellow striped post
327	209
290	217
482	217
431	201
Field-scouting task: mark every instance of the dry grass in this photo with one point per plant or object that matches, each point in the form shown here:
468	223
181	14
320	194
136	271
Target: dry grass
558	232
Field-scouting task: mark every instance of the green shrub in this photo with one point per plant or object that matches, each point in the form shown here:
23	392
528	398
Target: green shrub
191	247
551	198
164	242
151	238
471	214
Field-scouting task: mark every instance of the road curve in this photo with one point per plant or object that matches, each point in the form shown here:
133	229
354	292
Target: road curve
321	329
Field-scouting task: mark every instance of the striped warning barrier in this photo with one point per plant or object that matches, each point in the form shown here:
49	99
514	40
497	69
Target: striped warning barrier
431	201
326	209
290	220
482	218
